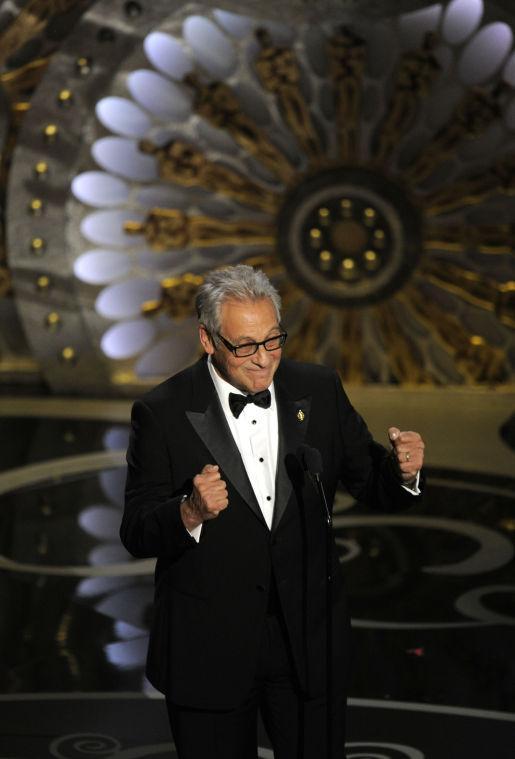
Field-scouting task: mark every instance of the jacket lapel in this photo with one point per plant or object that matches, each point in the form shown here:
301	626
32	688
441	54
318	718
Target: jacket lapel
293	418
212	428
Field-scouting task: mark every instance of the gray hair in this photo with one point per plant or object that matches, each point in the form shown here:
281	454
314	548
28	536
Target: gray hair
239	282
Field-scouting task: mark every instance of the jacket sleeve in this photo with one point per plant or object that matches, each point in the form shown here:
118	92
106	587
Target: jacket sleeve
368	469
151	524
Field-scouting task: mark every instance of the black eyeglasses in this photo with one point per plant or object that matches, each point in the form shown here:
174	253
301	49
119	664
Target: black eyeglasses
248	349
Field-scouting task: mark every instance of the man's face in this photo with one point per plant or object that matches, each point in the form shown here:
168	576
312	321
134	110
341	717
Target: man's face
245	322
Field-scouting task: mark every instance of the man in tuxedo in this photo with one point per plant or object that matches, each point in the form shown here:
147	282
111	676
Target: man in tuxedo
216	492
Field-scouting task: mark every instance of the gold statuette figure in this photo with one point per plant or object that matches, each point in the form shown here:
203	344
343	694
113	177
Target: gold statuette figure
183	163
166	229
18	82
412	81
476	112
279	73
218	105
30	22
347	54
177	297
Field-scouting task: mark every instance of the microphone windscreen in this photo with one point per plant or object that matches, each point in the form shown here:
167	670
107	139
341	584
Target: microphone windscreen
311	459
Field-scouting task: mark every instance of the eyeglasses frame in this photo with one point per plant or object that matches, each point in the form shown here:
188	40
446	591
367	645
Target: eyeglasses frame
234	348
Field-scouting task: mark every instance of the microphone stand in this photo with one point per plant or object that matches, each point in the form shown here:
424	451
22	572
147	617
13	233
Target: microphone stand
329	613
312	461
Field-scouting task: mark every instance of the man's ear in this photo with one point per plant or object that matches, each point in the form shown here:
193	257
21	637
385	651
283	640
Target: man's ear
205	339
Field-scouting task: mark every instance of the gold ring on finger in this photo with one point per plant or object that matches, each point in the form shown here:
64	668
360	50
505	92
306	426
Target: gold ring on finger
408	456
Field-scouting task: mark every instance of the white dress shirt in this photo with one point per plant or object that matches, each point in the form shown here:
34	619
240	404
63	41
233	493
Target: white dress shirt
256	434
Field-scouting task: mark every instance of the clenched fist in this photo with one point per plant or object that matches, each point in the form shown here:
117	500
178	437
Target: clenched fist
408	450
208	497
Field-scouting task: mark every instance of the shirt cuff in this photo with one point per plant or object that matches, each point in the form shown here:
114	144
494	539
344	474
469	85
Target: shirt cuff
413	489
195	532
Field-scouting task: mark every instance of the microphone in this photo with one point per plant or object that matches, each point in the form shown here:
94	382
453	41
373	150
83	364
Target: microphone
311	459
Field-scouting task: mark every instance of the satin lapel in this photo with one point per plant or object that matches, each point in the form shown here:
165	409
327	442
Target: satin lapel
211	426
293	416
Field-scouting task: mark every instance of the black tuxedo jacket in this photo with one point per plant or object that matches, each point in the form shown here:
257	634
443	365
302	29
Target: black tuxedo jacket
211	596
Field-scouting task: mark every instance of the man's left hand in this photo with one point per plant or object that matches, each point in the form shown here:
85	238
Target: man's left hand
408	450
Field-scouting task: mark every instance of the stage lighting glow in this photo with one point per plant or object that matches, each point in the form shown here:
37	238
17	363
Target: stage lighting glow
124	158
123	117
112	481
106	228
210	46
101	522
159	95
130	605
129	654
127	632
170	354
115	439
127	339
108	553
461	19
100	189
99	586
485	53
124	299
236	25
167	55
100	267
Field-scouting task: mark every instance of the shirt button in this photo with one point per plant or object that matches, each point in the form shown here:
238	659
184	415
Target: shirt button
261	459
254	421
268	498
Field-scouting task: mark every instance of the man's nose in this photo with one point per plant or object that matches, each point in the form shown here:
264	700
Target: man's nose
262	356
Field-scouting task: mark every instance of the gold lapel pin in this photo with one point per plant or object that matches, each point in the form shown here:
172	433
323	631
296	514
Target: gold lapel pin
301	415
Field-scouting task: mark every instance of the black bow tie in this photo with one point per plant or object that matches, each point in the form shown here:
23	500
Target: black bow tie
238	402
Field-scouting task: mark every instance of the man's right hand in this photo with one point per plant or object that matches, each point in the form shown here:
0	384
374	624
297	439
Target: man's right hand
208	498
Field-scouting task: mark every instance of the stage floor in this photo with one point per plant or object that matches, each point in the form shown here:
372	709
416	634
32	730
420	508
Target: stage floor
431	591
